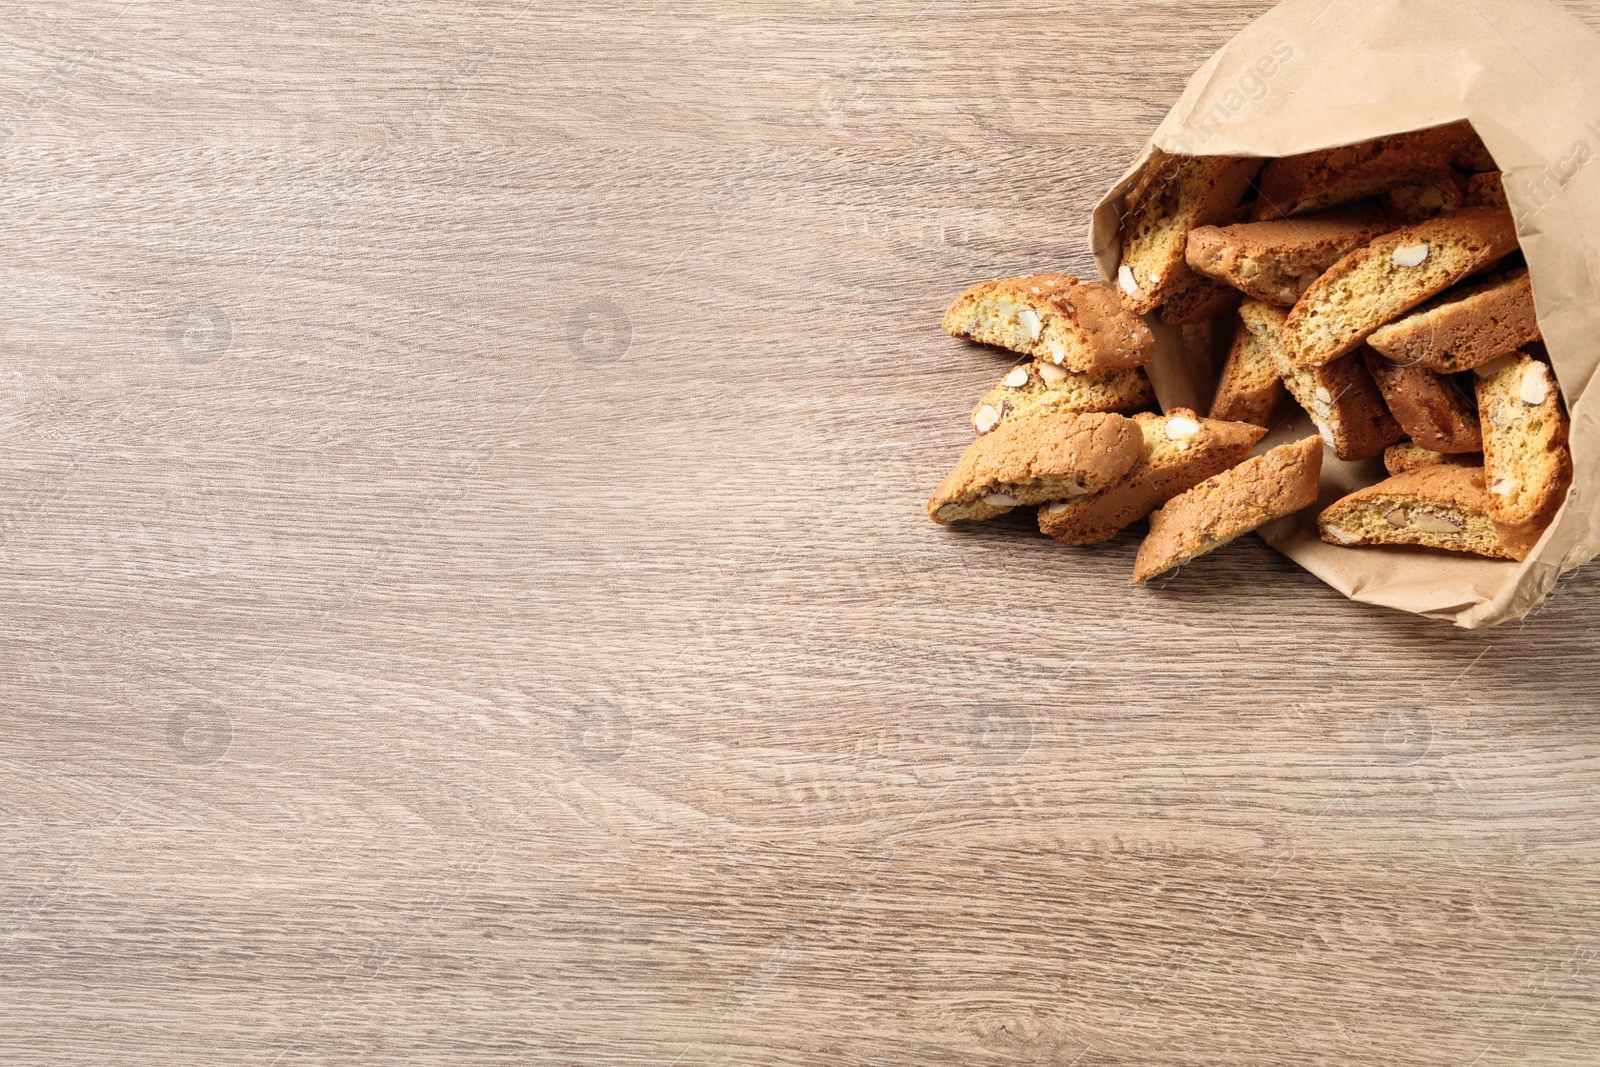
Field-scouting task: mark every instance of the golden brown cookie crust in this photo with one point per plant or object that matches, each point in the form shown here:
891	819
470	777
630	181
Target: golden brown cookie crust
1055	318
1180	451
1250	388
1445	506
1044	389
1173	196
1525	432
1229	505
1375	285
1315	181
1409	456
1035	461
1465	327
1429	407
1277	261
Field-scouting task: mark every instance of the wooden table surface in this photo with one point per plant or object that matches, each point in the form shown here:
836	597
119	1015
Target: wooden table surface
466	597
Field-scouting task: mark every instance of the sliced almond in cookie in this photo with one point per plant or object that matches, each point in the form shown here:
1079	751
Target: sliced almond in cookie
1229	505
1464	327
1055	318
1525	455
1034	461
1046	389
1443	506
1173	196
1250	388
1429	407
1409	456
1375	285
1180	451
1341	397
1277	261
1315	181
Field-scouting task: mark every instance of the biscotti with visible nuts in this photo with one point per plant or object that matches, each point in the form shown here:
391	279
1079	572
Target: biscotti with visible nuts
1181	450
1408	456
1203	299
1173	196
1436	507
1429	407
1035	461
1277	261
1373	286
1250	388
1525	454
1341	397
1045	389
1055	318
1465	327
1229	505
1314	181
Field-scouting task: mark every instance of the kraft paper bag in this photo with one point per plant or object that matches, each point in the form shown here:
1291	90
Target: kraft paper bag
1314	74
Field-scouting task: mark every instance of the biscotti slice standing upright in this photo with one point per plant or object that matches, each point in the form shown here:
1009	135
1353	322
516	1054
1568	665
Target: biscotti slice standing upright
1173	196
1429	407
1181	450
1341	397
1229	505
1053	457
1046	389
1373	286
1055	318
1409	456
1442	506
1465	327
1315	181
1277	261
1525	429
1250	388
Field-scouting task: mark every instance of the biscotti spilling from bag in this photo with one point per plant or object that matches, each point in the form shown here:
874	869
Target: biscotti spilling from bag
1378	288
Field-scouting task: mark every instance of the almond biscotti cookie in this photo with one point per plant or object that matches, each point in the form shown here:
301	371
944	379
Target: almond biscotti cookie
1181	450
1429	407
1409	456
1203	299
1525	454
1250	388
1487	190
1341	397
1055	318
1435	507
1373	286
1046	389
1173	196
1314	181
1465	327
1277	261
1229	505
1424	197
1035	461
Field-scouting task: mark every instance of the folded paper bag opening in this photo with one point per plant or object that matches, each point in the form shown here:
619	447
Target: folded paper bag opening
1314	74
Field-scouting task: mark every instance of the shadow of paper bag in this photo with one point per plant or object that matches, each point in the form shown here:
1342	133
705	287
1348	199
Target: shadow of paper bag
1315	74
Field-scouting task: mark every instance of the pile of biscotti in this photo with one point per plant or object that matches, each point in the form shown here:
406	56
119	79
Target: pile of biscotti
1379	286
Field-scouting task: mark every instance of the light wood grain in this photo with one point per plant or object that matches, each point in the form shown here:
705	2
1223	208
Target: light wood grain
465	595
